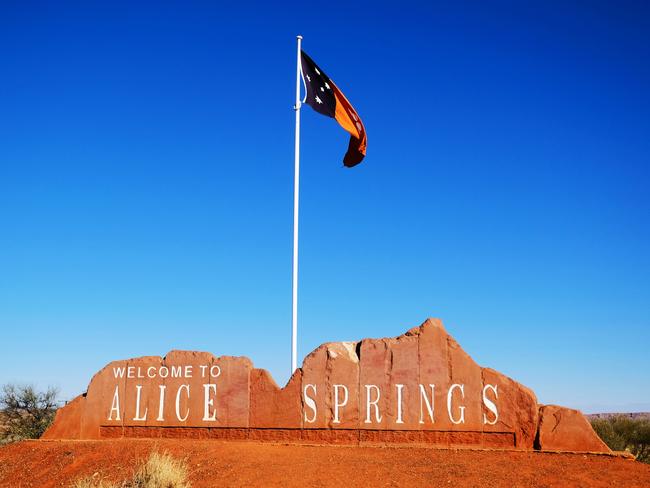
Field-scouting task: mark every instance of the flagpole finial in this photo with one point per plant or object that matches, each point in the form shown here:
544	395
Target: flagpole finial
299	37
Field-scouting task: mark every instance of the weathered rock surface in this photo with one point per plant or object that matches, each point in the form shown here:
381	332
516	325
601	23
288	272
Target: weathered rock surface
420	387
272	407
565	429
67	422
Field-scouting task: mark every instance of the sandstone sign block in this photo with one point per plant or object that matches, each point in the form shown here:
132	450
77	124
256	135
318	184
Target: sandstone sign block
418	388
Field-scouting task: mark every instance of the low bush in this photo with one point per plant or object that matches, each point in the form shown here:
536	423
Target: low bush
622	433
26	412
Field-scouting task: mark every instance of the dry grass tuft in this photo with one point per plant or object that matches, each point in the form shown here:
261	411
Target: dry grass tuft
93	482
159	471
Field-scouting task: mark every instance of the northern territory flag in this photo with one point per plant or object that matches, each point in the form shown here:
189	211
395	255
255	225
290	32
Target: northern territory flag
326	98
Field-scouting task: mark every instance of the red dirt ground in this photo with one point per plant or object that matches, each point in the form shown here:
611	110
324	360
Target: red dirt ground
215	463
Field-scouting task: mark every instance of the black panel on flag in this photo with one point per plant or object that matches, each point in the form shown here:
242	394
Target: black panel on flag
319	89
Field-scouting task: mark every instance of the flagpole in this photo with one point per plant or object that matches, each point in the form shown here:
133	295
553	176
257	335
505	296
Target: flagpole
296	191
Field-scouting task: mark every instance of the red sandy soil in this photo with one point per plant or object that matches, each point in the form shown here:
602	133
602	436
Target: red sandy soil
218	463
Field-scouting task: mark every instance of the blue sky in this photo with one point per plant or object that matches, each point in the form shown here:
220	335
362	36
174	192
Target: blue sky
146	165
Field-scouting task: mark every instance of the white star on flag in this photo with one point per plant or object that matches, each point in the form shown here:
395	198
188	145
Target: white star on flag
327	86
308	78
319	100
322	89
316	70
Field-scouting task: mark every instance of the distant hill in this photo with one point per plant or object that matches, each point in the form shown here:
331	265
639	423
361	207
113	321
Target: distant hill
633	415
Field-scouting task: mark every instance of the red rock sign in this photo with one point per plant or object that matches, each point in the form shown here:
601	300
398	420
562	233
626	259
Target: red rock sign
420	387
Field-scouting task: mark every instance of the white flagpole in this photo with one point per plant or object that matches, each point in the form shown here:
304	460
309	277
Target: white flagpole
296	185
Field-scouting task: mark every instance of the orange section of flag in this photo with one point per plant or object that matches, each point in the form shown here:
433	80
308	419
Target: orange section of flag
349	119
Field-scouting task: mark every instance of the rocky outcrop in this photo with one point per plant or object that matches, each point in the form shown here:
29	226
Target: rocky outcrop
420	387
565	429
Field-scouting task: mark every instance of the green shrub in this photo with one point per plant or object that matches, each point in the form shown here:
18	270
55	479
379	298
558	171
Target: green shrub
26	413
622	433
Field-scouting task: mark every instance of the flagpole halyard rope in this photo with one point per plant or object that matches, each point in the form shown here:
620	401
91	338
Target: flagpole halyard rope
296	192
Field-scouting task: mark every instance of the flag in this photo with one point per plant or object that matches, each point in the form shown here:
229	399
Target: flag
326	98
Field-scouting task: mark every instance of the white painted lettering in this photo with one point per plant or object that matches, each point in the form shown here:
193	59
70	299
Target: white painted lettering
118	372
215	371
399	404
338	404
138	395
489	404
373	403
425	399
161	404
115	405
450	393
209	402
178	402
309	402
